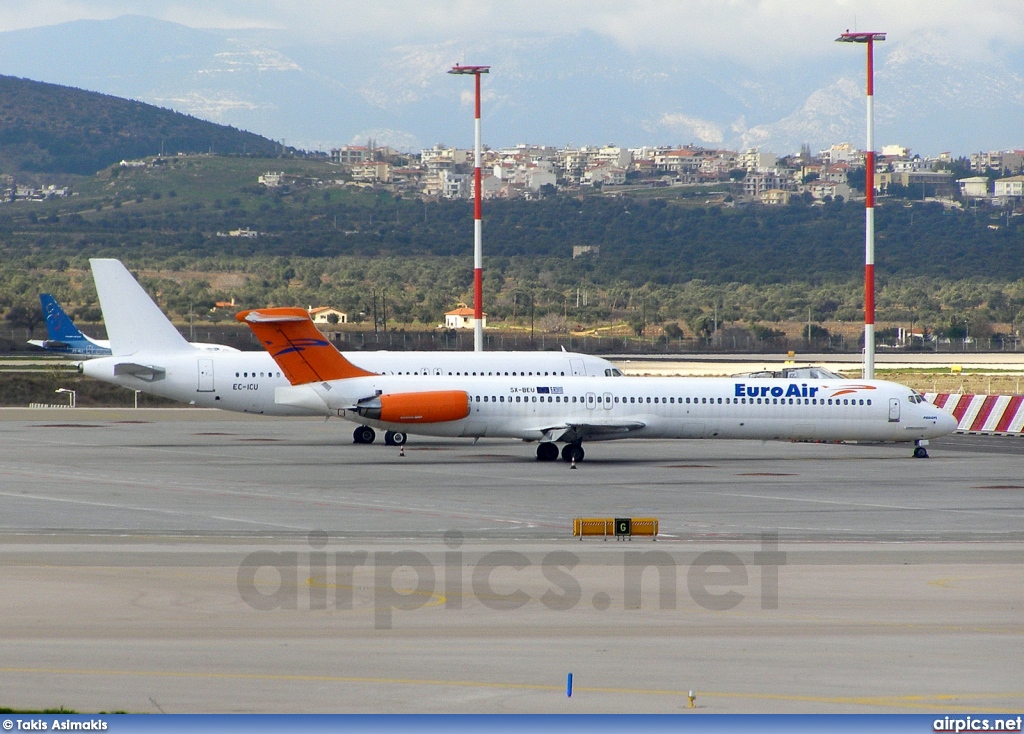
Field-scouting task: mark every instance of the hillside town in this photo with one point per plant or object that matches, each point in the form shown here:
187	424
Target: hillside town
754	175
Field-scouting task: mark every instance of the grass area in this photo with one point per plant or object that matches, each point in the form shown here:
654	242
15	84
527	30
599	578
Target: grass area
186	181
974	383
19	389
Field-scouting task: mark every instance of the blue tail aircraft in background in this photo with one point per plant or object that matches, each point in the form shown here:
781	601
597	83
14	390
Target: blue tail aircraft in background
65	337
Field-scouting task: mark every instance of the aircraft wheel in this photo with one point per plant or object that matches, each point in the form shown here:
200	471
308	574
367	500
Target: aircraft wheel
363	434
920	452
547	452
395	438
572	452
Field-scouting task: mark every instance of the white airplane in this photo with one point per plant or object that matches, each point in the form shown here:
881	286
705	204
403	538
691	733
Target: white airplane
572	410
149	354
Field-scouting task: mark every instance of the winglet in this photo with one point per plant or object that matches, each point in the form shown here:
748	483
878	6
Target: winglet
300	350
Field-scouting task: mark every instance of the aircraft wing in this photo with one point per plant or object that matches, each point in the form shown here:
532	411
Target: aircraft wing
591	430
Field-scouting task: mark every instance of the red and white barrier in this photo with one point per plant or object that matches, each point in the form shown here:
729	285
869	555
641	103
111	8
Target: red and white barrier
982	413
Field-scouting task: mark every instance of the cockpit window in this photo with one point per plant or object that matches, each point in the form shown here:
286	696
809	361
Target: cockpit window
916	398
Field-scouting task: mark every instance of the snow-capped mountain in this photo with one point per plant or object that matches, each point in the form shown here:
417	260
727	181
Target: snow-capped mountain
554	89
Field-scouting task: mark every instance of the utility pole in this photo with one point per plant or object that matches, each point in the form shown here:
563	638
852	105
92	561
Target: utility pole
478	258
869	201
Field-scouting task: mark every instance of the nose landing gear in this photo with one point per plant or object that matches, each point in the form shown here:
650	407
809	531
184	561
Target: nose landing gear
920	452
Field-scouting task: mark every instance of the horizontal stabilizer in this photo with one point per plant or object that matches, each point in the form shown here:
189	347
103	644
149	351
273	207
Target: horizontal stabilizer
149	373
300	350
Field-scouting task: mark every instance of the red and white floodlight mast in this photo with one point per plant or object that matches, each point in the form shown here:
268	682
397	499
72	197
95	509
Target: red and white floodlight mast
478	254
869	203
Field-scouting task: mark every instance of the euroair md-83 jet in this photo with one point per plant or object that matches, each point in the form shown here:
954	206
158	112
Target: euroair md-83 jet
571	410
149	354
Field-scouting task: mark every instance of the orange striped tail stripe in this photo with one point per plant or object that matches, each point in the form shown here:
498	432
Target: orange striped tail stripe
300	350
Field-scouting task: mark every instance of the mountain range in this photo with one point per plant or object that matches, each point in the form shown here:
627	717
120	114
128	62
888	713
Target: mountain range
557	89
48	128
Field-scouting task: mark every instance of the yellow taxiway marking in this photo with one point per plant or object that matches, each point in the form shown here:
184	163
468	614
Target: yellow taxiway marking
926	702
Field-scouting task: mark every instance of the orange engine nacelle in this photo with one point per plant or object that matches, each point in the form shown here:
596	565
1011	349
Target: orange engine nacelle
416	407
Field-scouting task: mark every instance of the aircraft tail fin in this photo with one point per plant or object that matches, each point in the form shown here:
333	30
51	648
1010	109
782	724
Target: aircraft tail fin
134	322
58	325
298	347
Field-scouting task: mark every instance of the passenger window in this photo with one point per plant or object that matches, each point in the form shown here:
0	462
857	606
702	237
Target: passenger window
869	401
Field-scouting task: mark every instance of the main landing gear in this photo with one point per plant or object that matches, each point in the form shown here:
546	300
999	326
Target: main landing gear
363	434
920	452
548	451
573	452
395	438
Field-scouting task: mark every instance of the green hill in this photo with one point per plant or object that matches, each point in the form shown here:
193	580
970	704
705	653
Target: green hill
46	128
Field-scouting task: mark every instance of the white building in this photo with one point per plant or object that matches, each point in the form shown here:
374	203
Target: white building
351	154
898	151
1012	186
456	185
323	314
537	177
606	175
272	179
976	186
462	318
756	160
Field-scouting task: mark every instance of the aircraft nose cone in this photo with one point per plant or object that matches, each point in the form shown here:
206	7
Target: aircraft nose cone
948	422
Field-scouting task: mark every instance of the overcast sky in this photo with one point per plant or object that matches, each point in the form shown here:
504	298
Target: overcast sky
751	30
